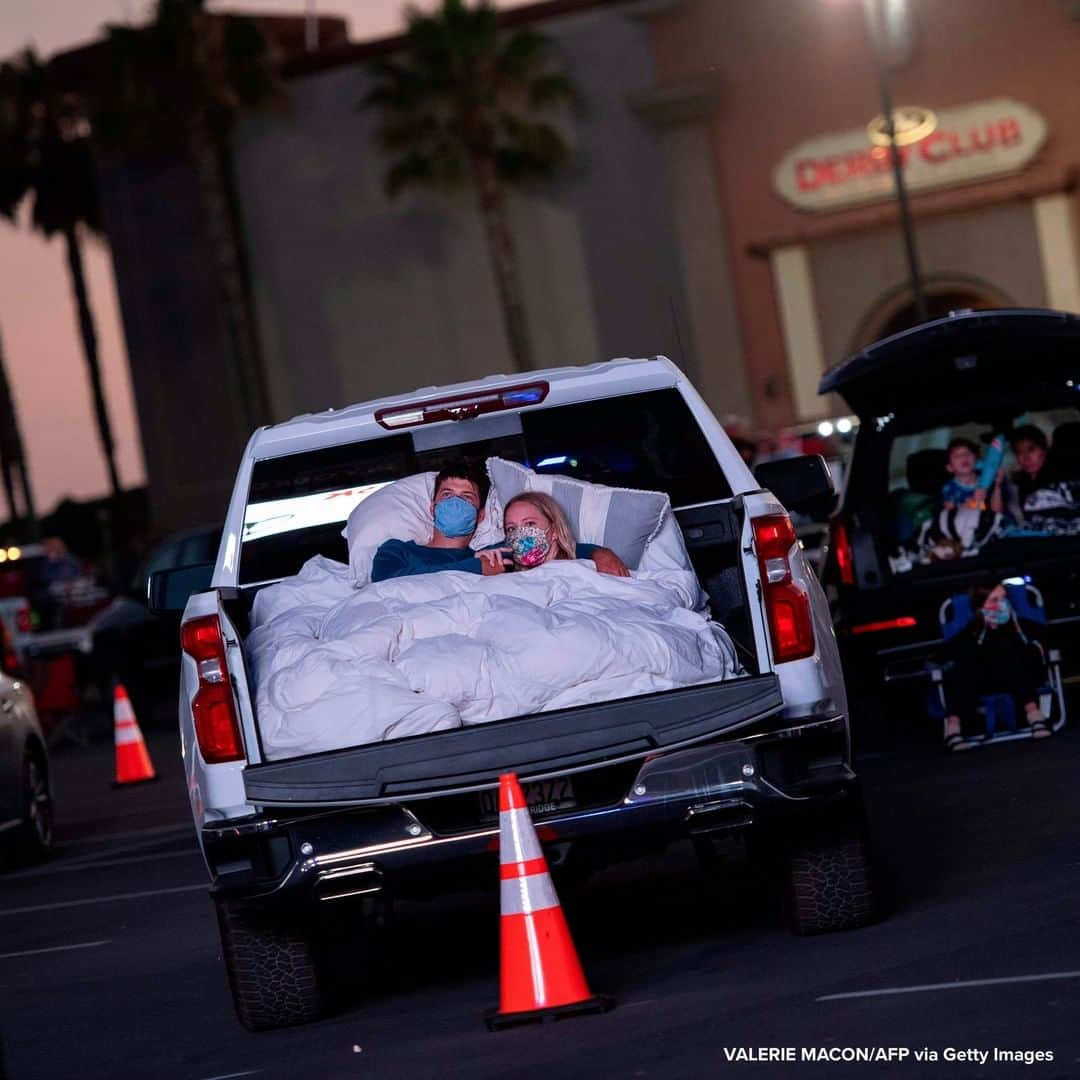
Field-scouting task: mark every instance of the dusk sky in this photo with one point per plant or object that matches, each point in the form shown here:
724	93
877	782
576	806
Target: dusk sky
37	318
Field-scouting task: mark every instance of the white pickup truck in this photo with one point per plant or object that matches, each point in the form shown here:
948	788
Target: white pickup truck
767	753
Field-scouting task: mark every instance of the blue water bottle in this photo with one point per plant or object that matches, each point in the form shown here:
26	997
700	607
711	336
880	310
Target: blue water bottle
995	455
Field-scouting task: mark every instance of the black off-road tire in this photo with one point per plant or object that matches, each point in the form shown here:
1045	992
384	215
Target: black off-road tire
274	968
830	878
32	841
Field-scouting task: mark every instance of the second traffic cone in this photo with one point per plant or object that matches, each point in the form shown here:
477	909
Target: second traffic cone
132	759
540	974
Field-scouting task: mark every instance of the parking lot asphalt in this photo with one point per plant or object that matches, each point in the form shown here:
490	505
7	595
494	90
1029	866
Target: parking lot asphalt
110	964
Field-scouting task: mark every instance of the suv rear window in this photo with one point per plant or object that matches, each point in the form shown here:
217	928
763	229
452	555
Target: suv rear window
299	502
1039	492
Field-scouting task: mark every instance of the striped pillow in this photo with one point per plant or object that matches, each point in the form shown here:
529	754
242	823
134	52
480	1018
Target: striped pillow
622	519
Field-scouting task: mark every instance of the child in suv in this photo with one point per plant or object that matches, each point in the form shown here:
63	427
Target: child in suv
962	491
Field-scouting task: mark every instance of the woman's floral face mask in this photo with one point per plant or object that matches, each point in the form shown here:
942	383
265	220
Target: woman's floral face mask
529	544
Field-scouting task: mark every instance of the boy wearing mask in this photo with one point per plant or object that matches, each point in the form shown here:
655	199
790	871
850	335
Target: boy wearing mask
962	490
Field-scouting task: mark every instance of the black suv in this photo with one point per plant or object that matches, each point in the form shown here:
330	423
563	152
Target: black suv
972	376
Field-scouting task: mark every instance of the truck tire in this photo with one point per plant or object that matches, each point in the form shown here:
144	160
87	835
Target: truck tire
273	967
831	885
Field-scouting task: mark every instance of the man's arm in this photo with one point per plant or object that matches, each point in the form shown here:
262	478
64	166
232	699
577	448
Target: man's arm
392	560
396	559
607	562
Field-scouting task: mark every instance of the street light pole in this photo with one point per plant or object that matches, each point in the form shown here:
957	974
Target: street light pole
873	28
311	26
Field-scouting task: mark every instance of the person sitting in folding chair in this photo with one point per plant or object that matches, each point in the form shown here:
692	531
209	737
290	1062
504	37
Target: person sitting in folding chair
996	653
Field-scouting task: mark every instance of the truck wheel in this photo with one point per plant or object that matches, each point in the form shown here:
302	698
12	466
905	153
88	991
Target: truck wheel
830	880
273	968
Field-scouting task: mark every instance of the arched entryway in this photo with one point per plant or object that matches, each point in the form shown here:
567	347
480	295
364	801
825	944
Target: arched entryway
896	311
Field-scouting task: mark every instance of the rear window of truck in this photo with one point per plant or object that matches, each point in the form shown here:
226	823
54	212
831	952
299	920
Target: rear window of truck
298	503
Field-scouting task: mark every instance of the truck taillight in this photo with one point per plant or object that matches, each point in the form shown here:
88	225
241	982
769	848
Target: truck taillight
24	622
216	724
841	549
791	625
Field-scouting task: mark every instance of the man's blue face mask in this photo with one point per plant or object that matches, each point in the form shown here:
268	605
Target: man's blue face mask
455	517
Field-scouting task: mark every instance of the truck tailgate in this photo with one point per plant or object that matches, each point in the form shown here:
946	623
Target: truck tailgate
557	742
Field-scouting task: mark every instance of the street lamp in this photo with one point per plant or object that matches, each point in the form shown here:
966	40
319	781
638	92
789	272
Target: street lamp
872	11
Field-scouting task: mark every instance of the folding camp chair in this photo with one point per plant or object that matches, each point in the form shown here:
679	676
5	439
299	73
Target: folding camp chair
1000	713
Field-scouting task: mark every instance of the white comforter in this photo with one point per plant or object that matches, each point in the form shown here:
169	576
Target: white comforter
334	666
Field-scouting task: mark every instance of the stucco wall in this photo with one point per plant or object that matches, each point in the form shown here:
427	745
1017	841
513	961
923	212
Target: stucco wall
359	296
995	247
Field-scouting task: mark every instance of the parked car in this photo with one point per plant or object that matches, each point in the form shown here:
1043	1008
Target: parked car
972	375
26	806
130	644
46	596
765	754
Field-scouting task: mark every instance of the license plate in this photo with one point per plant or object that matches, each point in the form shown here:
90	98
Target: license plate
541	797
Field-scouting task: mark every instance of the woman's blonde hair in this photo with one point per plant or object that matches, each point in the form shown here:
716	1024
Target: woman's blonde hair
566	547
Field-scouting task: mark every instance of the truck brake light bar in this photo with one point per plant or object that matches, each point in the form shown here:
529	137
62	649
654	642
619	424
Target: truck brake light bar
462	406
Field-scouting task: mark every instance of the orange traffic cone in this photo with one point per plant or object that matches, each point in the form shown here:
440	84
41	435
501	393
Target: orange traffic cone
540	974
132	760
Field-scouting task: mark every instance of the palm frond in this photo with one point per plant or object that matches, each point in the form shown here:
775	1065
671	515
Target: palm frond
461	90
529	150
250	63
395	86
553	89
184	62
521	55
440	168
400	132
46	158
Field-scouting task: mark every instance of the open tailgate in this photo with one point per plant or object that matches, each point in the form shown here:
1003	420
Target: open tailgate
558	742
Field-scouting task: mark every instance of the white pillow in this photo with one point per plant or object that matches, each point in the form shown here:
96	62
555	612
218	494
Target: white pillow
402	511
622	519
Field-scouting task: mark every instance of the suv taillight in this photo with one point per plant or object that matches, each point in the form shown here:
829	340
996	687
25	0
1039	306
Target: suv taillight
840	543
216	725
791	625
9	660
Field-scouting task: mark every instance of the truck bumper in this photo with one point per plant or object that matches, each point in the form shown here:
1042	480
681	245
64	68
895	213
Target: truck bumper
327	855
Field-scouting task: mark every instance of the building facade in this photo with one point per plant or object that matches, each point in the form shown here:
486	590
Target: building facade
360	295
728	206
806	197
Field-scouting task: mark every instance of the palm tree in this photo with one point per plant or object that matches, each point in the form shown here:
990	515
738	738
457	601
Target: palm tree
12	455
460	105
179	84
46	157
